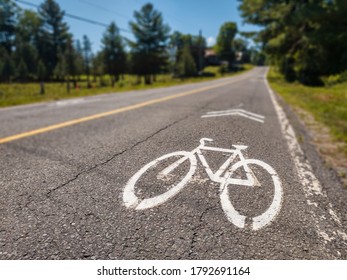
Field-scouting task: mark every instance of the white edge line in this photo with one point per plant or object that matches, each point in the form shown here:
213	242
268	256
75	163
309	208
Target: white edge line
311	185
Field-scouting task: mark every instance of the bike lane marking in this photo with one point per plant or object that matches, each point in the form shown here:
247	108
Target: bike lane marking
132	201
312	187
235	112
113	112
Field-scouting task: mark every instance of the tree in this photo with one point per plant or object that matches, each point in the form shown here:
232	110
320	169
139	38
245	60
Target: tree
257	57
41	75
53	34
8	11
97	67
28	28
1	67
71	63
186	66
196	46
22	71
305	39
224	44
79	58
87	58
240	47
8	68
113	53
149	49
198	49
60	70
176	41
26	41
25	54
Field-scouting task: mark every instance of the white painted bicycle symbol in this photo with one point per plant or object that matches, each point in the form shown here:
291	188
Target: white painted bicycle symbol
224	176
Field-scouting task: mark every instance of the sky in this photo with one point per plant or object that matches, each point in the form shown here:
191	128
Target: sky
186	16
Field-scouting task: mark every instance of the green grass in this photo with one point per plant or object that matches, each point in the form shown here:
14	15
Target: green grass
327	104
25	93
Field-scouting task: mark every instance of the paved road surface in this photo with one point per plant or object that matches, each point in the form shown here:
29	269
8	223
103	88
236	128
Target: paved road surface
79	180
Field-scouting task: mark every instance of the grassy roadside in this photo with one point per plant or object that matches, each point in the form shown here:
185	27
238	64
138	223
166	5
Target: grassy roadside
324	111
328	105
17	93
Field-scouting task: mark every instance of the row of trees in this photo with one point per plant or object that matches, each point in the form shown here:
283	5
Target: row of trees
306	39
39	46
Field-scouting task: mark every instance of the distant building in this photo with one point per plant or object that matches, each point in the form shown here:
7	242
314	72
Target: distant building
211	58
238	56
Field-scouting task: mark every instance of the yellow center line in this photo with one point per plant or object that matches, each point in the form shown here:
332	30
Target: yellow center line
108	113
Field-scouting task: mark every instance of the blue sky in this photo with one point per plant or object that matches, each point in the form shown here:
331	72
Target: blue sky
186	16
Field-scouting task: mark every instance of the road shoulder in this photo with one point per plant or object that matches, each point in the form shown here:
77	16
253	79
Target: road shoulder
330	180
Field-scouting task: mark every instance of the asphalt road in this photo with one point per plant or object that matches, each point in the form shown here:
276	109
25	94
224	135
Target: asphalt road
79	180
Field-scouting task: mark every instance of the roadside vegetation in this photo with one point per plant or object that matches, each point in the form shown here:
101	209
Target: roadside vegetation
306	40
19	93
40	59
328	104
305	43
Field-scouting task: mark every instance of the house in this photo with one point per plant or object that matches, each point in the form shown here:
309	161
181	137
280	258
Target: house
211	57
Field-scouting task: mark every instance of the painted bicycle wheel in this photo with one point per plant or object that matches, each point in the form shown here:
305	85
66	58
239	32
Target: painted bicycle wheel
131	200
272	210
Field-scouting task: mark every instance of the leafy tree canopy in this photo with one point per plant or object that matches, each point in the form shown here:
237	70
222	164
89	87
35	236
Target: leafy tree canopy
306	39
224	45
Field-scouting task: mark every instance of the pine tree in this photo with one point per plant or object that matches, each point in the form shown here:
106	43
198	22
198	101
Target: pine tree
22	71
28	28
114	55
53	34
26	53
186	66
8	11
71	65
97	66
149	50
8	68
87	58
60	69
41	75
79	58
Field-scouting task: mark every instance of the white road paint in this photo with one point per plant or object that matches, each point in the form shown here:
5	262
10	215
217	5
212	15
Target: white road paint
131	200
224	176
316	197
265	218
71	102
235	112
67	102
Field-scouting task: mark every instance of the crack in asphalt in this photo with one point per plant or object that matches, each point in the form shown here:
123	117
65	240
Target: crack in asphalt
23	236
49	194
195	231
124	151
114	156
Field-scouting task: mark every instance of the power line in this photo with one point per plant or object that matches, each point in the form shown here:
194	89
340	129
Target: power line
175	18
74	16
104	9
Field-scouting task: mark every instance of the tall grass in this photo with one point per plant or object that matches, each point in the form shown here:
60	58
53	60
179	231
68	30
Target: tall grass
327	104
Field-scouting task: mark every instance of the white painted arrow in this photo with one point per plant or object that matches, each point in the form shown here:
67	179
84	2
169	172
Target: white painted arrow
235	112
